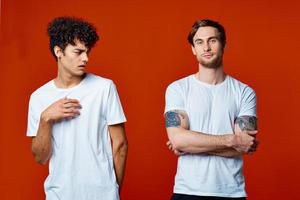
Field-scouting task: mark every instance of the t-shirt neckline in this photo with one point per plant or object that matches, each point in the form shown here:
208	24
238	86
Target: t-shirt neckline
210	85
72	88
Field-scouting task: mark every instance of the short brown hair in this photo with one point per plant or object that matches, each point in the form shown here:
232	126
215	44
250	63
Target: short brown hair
207	22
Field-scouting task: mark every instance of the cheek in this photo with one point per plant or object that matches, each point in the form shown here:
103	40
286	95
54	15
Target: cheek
218	48
71	60
197	51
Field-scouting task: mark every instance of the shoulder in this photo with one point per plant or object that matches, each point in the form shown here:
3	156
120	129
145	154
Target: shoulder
239	86
98	79
98	82
180	84
42	90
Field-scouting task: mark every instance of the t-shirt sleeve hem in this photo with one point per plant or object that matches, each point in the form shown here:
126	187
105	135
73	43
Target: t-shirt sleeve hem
30	134
247	114
119	121
173	108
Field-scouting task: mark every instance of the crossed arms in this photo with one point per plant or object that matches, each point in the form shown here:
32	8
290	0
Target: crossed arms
182	140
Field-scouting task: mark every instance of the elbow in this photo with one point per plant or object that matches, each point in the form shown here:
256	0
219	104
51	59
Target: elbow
40	157
176	139
124	146
121	147
177	143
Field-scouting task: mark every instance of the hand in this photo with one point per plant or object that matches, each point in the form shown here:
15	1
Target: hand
254	147
175	151
62	109
245	141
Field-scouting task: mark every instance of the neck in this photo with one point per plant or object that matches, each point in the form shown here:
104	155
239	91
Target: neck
211	76
67	80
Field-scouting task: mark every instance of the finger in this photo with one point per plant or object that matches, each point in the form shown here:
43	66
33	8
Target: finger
67	100
251	132
253	147
169	145
69	115
71	111
255	143
70	105
252	150
72	100
177	153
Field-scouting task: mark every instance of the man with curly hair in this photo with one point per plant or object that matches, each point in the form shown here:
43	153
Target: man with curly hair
77	122
211	122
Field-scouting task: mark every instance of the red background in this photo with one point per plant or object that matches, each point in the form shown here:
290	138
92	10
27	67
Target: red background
143	48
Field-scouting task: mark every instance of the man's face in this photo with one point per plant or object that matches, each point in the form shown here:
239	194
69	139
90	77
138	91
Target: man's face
73	59
208	47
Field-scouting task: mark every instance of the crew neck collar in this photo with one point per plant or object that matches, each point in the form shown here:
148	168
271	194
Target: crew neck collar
210	85
71	88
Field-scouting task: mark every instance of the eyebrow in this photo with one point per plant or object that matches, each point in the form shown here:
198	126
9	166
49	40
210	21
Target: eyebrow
213	37
81	50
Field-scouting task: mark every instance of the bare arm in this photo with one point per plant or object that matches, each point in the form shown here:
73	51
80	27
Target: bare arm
42	143
243	123
184	140
119	149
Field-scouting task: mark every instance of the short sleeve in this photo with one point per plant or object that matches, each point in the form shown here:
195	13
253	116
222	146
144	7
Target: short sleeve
114	114
174	98
33	119
248	104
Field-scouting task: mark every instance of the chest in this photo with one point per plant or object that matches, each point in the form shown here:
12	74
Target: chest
212	109
91	100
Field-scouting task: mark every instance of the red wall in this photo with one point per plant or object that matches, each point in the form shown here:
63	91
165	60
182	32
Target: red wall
143	48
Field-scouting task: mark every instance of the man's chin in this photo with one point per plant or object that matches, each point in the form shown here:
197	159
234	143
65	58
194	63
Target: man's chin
79	73
212	64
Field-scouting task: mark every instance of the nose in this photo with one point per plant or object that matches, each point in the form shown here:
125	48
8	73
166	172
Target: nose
85	58
206	47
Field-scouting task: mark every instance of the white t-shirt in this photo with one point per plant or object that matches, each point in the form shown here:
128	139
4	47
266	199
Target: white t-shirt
212	109
81	164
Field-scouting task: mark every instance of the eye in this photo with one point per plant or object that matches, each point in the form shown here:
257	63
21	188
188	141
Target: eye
198	42
77	52
212	41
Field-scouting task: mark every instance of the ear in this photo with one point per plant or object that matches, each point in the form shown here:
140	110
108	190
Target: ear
58	52
193	49
223	48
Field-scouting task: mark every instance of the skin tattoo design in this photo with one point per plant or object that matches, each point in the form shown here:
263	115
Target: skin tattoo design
247	123
172	119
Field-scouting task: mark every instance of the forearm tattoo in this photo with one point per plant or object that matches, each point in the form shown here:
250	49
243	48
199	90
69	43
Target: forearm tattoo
247	123
172	119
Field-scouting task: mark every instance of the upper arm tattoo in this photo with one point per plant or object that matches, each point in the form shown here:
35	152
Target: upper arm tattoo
247	123
175	118
172	119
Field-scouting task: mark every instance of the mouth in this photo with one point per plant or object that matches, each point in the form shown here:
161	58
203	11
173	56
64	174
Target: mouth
81	68
207	55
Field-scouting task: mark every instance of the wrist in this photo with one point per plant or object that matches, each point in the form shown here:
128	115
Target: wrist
46	119
229	140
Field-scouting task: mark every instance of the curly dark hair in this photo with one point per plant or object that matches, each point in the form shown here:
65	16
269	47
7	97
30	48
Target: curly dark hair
207	22
65	30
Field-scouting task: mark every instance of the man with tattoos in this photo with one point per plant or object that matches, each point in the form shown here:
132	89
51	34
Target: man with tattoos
211	122
76	121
